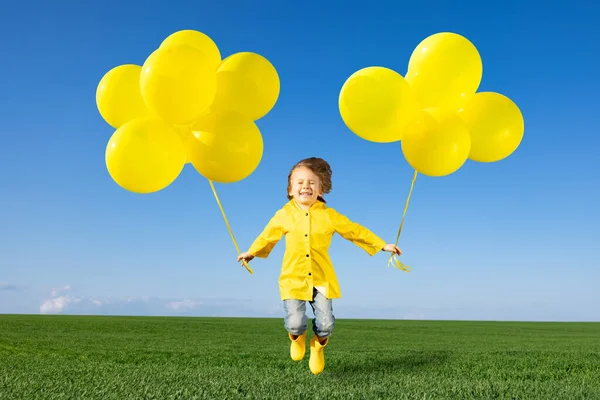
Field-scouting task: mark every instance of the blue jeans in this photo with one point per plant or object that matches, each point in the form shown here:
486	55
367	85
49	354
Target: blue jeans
296	321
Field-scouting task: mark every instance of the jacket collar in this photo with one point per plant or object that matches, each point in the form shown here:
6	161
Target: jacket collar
317	205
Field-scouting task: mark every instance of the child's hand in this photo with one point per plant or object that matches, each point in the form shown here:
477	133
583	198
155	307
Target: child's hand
392	248
245	256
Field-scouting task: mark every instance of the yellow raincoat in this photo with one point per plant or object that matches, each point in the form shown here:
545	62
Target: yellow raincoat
308	234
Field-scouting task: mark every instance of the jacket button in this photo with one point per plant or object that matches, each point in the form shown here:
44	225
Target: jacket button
310	273
307	214
306	235
307	255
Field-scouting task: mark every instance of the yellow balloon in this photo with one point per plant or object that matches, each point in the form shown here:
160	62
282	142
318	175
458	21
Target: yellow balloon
184	132
248	84
178	84
225	147
145	155
118	96
444	70
376	104
436	143
197	40
496	125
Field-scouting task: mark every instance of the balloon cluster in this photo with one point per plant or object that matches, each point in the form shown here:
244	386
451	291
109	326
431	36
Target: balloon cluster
186	105
435	111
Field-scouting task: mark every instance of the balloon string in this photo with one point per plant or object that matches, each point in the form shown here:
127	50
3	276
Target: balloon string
393	261
229	227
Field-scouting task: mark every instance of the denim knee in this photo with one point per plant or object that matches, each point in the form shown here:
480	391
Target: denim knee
295	321
323	325
324	321
295	324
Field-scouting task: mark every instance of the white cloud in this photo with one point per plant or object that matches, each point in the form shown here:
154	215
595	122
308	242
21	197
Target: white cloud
96	302
58	304
58	291
184	305
65	300
143	299
61	301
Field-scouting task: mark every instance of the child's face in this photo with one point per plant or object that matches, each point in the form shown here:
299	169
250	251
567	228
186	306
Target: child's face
305	186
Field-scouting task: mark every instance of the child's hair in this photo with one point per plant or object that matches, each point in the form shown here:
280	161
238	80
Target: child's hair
320	168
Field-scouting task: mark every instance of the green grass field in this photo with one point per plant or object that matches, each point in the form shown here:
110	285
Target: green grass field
94	357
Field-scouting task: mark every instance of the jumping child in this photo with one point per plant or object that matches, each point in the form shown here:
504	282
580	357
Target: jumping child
307	273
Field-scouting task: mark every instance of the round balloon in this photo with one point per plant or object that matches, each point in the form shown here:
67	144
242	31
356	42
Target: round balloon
198	40
496	125
178	83
118	95
247	84
376	104
145	155
444	70
436	144
224	146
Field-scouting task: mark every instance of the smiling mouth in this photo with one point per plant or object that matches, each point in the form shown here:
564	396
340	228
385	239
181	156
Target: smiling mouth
305	194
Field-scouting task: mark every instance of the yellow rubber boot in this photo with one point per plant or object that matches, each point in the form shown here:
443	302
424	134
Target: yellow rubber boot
317	358
298	347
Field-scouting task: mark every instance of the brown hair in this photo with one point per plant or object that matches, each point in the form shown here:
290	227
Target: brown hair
320	168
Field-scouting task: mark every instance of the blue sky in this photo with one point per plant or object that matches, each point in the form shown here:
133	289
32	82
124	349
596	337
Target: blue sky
513	240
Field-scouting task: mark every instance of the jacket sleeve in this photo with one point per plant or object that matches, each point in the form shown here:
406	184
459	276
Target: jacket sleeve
268	238
356	233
